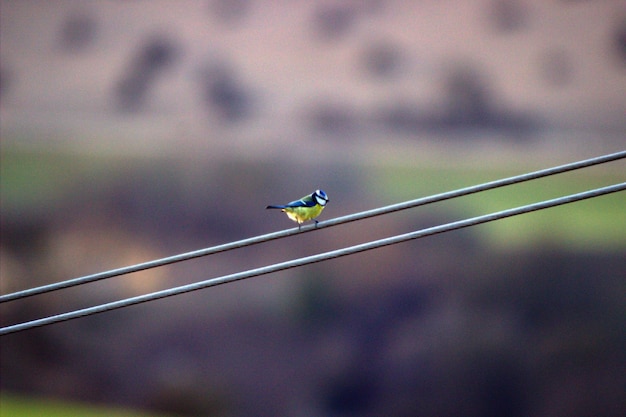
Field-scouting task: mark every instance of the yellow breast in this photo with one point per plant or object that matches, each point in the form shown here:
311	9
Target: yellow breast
302	214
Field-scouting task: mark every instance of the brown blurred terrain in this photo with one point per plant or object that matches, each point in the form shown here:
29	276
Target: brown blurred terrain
134	130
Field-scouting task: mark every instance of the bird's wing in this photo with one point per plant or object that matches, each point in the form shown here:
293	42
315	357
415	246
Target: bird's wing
302	203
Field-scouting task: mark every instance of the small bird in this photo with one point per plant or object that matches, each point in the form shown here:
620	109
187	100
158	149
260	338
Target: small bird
307	208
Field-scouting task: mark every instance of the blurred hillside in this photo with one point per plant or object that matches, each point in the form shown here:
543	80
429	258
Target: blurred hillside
252	78
140	129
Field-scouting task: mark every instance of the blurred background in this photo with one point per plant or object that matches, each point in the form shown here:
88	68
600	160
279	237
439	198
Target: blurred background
133	130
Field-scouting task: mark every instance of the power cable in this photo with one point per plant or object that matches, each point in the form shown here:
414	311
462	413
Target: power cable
322	224
312	259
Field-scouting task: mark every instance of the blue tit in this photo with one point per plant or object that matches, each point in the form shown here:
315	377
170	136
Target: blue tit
307	208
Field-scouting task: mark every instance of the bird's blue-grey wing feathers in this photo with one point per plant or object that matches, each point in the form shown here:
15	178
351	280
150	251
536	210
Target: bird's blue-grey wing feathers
302	203
298	203
307	201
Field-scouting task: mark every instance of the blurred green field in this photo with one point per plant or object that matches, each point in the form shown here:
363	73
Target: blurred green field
32	178
594	224
20	406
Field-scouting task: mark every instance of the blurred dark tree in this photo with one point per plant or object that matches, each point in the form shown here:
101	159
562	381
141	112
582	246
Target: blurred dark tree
507	16
332	22
468	103
468	97
154	56
619	42
78	32
381	60
225	94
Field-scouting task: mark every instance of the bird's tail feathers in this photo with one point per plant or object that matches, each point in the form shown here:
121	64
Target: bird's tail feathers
275	207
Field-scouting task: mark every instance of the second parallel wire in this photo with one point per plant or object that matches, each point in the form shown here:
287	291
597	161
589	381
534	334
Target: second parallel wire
313	259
